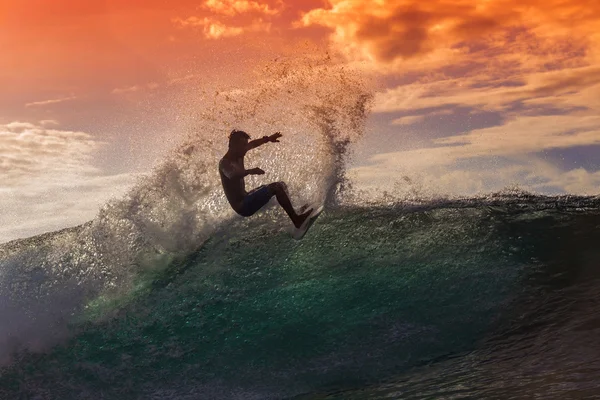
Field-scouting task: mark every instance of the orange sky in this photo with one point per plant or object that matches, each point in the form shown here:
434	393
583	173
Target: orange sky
68	49
65	48
68	45
517	81
104	34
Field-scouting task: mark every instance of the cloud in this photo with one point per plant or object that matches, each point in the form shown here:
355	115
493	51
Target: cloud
135	88
542	111
49	102
539	111
478	91
127	89
527	134
28	150
486	160
531	67
408	120
401	180
518	137
413	119
47	180
423	35
229	18
40	205
48	122
235	7
214	29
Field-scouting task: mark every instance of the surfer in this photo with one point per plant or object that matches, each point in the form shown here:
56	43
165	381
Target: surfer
233	172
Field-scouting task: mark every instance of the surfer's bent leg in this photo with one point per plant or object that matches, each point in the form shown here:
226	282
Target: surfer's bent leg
255	200
280	191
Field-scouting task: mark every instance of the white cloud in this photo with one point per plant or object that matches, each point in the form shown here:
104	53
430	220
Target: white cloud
408	120
403	181
49	122
40	205
28	150
440	169
47	181
413	119
229	18
517	137
128	89
49	102
526	134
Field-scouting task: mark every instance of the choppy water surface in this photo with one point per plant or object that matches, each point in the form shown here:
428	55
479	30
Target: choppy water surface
491	297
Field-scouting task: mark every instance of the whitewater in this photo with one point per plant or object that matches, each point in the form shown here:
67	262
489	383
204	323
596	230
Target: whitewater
166	294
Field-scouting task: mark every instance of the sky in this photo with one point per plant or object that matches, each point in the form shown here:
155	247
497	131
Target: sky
472	96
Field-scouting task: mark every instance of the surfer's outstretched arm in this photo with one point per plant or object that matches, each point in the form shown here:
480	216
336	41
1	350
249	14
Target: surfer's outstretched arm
265	139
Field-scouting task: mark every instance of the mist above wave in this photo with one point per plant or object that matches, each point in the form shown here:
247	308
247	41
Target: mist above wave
319	106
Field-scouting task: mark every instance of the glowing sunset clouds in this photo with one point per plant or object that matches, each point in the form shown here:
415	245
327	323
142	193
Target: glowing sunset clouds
531	68
399	31
233	17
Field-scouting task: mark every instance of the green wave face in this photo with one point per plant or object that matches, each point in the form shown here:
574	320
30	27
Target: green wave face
369	293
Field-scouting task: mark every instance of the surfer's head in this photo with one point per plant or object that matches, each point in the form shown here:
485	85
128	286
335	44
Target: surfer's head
238	140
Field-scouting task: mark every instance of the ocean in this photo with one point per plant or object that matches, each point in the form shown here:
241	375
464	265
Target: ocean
168	295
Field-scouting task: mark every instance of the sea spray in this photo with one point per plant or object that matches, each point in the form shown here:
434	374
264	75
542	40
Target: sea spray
47	281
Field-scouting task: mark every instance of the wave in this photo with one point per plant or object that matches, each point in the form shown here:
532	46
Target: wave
372	293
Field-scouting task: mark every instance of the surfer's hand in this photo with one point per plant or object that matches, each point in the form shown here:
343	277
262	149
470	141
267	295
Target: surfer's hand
256	171
275	137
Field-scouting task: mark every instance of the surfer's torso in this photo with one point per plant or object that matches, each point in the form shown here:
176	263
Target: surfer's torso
234	187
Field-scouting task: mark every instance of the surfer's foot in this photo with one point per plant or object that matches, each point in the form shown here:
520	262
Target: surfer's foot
302	217
303	208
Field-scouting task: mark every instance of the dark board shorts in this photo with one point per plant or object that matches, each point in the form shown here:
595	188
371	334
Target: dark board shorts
255	200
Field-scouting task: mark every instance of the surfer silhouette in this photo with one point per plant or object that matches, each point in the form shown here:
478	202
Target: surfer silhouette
233	172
